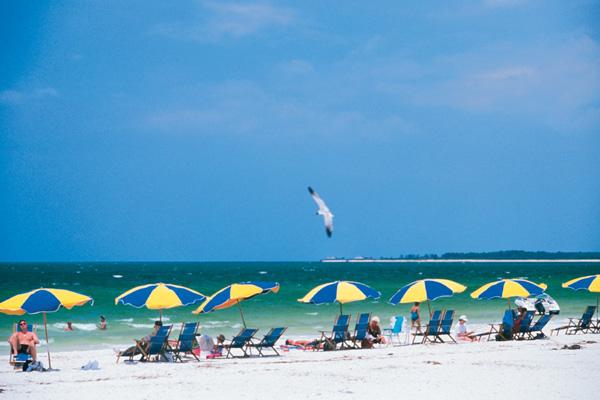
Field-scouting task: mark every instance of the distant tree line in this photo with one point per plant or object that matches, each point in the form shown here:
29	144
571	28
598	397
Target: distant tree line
501	255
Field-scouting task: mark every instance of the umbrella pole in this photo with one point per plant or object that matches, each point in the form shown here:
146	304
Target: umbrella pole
241	314
341	309
508	301
429	307
597	309
47	343
160	317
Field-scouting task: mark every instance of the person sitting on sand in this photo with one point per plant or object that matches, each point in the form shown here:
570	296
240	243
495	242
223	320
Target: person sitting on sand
143	342
102	325
463	332
69	326
374	334
415	317
23	341
519	319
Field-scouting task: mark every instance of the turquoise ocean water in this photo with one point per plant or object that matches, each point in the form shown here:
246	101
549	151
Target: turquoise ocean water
103	282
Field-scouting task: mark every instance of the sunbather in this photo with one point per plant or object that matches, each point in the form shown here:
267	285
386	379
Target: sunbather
23	341
374	334
135	350
463	332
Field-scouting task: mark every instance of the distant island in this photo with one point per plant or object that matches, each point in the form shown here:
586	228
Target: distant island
503	255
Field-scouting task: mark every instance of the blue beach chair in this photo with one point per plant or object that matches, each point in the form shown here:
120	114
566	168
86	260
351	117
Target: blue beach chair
432	328
241	342
538	327
156	347
339	333
584	324
186	341
361	329
446	326
520	331
396	330
269	341
504	330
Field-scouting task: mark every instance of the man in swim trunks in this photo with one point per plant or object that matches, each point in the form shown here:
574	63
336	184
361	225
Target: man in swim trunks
23	341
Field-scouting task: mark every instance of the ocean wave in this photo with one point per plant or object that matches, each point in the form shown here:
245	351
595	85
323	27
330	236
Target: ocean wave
215	323
236	326
117	276
164	319
125	320
263	272
312	313
85	327
148	326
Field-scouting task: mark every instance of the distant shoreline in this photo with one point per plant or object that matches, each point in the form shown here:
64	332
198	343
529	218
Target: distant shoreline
464	260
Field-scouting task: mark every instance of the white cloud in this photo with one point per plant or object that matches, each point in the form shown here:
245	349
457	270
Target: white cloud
12	96
221	20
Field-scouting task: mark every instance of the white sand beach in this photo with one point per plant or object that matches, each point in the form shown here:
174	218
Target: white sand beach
487	370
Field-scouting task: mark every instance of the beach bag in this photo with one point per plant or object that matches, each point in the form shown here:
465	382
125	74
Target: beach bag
36	366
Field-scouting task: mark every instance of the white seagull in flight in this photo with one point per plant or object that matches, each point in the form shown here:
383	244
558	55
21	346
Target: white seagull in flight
324	211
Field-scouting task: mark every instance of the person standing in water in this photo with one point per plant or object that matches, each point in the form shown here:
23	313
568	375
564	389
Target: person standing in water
415	317
102	325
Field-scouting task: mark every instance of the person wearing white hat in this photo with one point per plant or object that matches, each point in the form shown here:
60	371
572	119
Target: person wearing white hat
374	334
462	330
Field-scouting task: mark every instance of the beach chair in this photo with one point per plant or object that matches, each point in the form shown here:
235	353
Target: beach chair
339	334
446	326
503	330
361	329
268	341
186	341
17	361
583	324
157	346
432	328
241	342
539	325
396	330
520	332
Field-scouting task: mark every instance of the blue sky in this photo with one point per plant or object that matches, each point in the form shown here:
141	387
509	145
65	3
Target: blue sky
189	131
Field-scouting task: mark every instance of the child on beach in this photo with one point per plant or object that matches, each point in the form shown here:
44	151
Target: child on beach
463	332
415	317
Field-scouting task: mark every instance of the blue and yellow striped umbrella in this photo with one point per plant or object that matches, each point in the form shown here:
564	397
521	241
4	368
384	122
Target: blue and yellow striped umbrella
426	290
160	296
341	292
507	288
591	283
43	301
234	294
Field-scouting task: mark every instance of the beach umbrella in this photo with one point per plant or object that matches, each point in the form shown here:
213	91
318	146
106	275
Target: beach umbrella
507	288
43	301
591	283
234	294
426	290
159	296
341	292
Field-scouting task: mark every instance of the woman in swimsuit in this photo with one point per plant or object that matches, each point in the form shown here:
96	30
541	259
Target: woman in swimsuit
415	317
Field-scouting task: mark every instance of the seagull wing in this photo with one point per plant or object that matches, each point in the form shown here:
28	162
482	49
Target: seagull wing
328	220
322	206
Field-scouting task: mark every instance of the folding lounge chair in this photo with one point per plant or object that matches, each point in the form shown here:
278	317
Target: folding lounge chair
539	325
446	326
504	330
339	333
185	342
18	360
156	346
141	347
584	324
361	329
269	341
431	330
396	330
520	331
241	341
